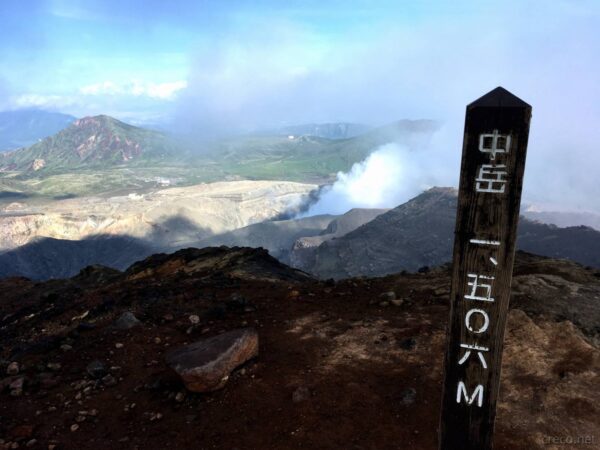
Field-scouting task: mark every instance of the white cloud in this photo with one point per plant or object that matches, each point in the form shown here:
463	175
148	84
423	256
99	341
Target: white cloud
41	101
160	91
165	90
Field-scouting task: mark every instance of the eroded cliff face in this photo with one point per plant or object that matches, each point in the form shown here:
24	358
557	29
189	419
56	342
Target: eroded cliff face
169	217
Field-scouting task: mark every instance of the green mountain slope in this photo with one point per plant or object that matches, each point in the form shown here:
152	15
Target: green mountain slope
98	141
103	155
307	158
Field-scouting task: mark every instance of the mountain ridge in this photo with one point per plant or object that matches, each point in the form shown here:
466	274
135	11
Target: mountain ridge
420	233
93	141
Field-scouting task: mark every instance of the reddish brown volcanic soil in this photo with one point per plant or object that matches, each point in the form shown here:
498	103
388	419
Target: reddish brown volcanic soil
337	369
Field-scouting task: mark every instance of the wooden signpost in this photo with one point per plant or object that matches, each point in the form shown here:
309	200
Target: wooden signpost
491	178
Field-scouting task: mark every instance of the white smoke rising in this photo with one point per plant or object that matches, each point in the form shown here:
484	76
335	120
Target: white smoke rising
377	182
391	175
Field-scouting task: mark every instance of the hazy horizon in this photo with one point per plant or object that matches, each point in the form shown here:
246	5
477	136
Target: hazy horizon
242	66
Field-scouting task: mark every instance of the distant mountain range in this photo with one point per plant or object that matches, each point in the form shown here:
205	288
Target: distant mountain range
565	218
92	142
336	130
102	142
25	127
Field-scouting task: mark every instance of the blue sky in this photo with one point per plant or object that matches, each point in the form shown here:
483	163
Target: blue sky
245	65
251	61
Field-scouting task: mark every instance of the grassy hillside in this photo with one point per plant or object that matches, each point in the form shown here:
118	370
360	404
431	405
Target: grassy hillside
102	155
98	142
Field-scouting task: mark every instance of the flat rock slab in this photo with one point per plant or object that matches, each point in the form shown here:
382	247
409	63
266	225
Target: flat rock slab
205	365
126	321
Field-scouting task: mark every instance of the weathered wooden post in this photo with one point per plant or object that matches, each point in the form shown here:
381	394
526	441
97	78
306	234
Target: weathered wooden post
491	178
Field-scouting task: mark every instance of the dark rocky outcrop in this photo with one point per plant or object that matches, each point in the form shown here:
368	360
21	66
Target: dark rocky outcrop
421	233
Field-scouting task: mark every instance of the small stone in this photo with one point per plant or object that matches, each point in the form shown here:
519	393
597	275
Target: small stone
389	296
17	383
408	396
119	345
86	326
301	394
54	366
157	340
384	303
96	369
127	321
13	368
293	294
397	302
51	446
109	380
168	317
80	419
66	347
408	343
74	427
180	397
155	416
194	319
31	443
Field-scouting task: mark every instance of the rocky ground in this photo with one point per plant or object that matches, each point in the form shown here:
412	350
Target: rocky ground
88	362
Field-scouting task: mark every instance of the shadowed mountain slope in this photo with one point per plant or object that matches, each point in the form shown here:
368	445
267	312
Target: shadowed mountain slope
421	233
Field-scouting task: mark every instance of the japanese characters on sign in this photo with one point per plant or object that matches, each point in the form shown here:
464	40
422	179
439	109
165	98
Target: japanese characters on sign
491	180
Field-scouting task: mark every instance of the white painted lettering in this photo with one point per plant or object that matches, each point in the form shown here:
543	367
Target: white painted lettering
494	143
461	392
479	290
491	178
479	354
486	320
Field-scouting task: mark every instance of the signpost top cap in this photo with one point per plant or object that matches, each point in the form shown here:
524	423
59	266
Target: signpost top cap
499	98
